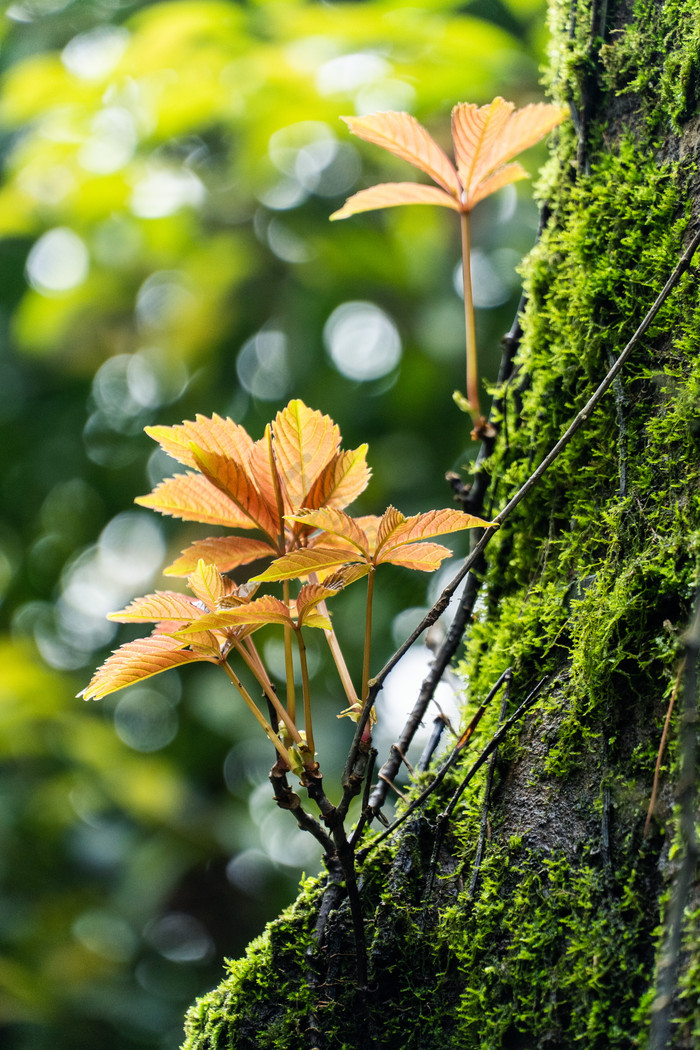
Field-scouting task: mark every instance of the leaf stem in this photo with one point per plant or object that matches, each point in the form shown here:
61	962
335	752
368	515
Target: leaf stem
264	681
470	324
368	635
307	696
337	653
254	708
339	660
288	660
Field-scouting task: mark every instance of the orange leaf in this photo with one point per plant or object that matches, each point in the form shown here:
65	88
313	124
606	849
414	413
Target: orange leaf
159	607
213	435
267	609
402	135
303	441
311	594
391	194
193	498
226	552
338	523
492	183
486	137
430	524
341	480
135	661
389	522
235	482
347	574
524	128
263	470
426	557
302	562
474	131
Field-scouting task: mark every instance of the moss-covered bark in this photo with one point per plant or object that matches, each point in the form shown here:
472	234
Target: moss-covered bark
589	583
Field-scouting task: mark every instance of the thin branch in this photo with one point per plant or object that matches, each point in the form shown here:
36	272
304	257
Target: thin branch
443	601
488	750
442	658
487	797
458	748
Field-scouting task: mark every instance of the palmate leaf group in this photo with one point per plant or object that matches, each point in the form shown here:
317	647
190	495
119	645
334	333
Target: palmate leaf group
292	487
238	483
485	139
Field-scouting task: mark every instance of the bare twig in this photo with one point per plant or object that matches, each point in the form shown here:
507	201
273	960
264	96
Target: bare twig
488	750
487	795
458	748
442	659
439	725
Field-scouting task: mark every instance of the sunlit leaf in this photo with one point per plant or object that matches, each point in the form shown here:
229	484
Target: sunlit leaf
263	470
391	194
208	584
492	183
337	522
154	608
213	435
303	562
426	557
257	613
486	137
135	661
424	526
308	598
341	480
304	442
235	482
475	129
401	134
192	497
226	552
390	521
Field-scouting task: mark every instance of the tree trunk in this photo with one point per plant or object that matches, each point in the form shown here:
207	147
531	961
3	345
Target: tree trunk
554	917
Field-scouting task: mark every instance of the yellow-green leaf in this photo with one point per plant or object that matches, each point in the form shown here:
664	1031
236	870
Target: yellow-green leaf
300	563
207	583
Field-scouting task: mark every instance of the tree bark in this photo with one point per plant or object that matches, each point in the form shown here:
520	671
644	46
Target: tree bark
549	907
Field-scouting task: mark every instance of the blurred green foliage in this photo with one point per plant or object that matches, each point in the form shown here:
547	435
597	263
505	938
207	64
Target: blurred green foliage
168	172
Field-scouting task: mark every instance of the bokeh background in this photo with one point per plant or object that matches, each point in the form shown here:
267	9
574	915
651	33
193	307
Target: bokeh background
168	170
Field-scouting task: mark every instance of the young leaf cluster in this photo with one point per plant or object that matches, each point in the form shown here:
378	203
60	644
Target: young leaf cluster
485	140
290	488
